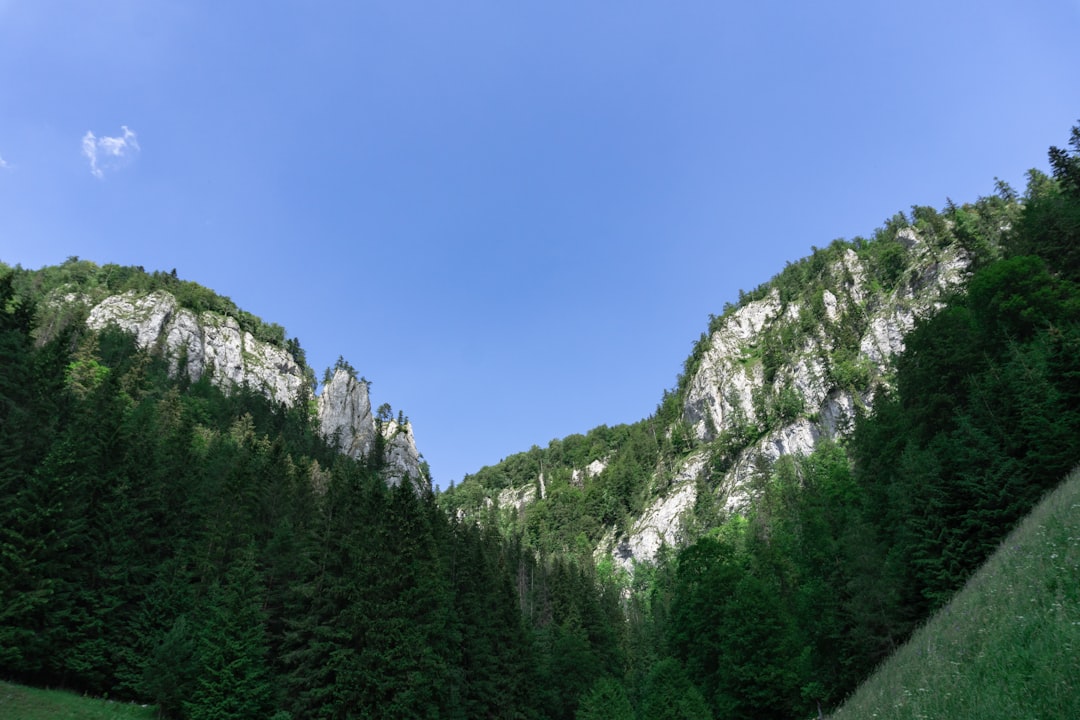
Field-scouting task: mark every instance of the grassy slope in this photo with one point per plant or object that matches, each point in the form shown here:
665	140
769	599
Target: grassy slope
1008	645
23	703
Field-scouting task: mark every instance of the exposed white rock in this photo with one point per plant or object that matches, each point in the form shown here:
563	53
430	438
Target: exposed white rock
808	378
837	413
660	523
885	336
215	343
907	237
401	456
728	392
798	438
720	394
344	414
184	336
516	497
144	316
578	475
345	418
830	305
209	341
855	285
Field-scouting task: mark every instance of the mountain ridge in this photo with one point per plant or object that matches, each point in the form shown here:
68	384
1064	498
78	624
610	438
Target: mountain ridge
200	332
789	366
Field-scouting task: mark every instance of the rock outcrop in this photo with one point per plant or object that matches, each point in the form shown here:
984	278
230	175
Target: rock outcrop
660	524
209	342
202	342
344	414
401	458
345	418
806	399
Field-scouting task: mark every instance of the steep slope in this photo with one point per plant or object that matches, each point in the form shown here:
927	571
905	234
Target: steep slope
1004	647
788	366
18	702
201	333
213	343
345	418
198	546
202	342
782	373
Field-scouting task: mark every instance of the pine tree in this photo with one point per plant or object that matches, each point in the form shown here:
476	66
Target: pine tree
232	676
670	695
606	700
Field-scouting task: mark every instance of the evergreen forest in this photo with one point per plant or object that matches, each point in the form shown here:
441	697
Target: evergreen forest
166	541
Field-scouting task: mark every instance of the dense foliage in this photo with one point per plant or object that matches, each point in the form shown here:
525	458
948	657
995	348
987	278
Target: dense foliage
840	560
570	510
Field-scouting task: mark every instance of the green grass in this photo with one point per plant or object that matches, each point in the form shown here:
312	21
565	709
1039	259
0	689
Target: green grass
1008	645
18	702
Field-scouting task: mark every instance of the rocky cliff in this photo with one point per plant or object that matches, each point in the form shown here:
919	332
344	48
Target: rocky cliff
790	366
202	342
344	414
210	342
345	418
779	375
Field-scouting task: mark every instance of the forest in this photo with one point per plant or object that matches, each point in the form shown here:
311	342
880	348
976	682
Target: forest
165	541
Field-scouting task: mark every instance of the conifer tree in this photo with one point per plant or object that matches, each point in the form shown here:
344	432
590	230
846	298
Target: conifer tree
232	677
606	700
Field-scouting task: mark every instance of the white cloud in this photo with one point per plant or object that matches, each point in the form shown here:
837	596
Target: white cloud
109	153
3	164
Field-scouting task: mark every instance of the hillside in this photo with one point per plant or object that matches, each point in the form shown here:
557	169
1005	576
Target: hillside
201	333
791	365
23	703
842	450
1005	646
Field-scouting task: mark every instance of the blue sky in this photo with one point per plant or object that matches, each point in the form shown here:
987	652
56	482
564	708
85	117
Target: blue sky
513	217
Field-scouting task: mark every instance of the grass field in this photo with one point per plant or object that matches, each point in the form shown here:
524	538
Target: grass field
1007	646
23	703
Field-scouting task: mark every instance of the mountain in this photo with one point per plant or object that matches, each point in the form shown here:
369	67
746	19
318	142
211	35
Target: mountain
201	342
780	374
843	449
345	419
790	366
211	341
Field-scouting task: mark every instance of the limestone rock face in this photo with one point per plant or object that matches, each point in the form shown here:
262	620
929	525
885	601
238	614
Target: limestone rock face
730	396
720	395
345	418
578	476
775	377
209	342
205	341
344	414
516	498
401	456
659	524
729	389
